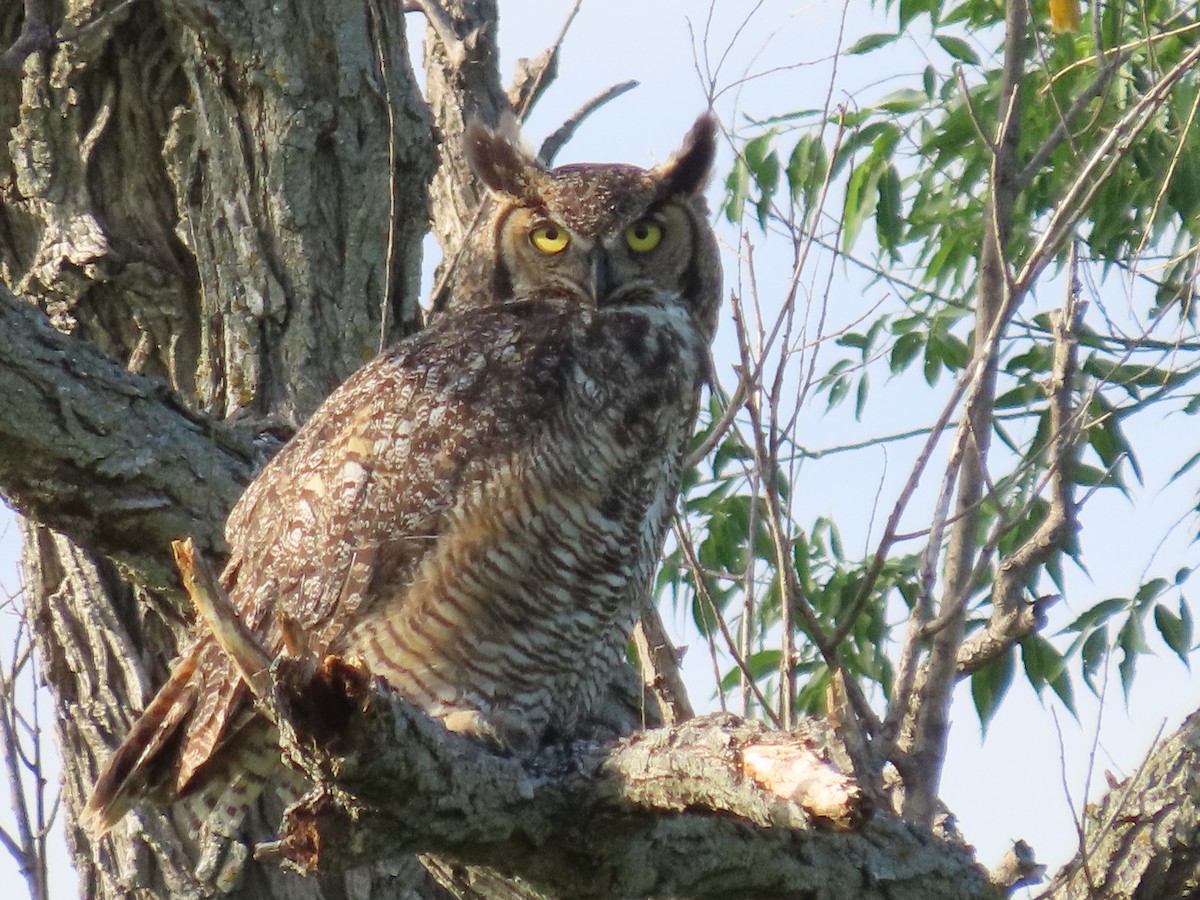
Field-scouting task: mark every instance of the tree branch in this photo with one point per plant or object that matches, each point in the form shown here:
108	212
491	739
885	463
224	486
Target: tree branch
108	457
995	303
580	820
1013	617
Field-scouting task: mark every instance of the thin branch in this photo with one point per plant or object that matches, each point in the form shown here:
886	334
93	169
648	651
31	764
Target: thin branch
1062	130
1012	618
717	433
555	142
1095	171
687	547
535	75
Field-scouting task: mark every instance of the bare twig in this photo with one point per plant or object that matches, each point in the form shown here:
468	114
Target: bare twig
389	261
533	76
21	748
719	429
555	142
730	643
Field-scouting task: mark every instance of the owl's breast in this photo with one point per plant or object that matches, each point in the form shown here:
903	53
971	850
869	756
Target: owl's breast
557	485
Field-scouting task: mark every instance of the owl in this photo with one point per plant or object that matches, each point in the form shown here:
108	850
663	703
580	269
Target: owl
476	514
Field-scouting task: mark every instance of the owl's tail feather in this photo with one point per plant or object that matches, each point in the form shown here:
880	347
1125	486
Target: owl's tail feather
130	770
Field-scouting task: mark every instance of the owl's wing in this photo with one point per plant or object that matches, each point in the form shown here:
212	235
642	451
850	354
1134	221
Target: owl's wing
362	486
373	470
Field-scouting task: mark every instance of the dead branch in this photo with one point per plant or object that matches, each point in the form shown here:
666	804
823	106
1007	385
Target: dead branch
1014	617
660	668
533	76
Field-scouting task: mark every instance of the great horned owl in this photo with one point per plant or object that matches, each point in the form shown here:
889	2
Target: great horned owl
476	514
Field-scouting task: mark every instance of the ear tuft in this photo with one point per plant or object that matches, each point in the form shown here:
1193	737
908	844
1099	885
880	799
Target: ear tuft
502	164
689	167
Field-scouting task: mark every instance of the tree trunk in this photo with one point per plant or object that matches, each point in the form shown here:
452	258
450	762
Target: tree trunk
204	192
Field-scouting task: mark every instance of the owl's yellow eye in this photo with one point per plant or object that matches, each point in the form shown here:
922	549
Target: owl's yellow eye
550	238
643	236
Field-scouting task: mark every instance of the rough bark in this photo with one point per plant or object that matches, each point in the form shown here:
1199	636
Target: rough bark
200	192
1142	840
112	458
716	807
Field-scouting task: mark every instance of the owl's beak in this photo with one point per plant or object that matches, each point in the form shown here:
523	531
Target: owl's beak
599	282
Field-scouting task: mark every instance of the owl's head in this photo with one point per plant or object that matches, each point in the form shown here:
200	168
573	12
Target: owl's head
604	234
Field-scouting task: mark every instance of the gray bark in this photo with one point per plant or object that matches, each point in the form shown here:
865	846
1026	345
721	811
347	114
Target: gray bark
671	812
200	192
1142	840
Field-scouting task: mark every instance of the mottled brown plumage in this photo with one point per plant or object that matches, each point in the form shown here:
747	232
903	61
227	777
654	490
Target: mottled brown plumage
475	514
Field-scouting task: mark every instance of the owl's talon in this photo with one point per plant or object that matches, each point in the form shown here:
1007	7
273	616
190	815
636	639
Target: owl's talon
506	731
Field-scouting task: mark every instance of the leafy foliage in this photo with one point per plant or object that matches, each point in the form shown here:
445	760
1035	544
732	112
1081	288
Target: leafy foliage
903	186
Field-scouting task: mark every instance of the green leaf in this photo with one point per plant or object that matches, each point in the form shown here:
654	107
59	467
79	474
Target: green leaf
910	9
1150	590
763	165
1176	630
838	391
905	350
958	48
1044	666
1131	640
990	684
889	216
905	100
861	198
870	42
1092	656
1186	467
1097	615
807	169
737	191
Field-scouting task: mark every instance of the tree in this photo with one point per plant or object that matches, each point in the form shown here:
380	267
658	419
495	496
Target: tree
195	192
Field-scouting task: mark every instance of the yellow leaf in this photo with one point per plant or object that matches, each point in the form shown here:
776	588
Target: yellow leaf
1064	15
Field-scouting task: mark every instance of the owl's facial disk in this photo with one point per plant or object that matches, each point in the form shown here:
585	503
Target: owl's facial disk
648	254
